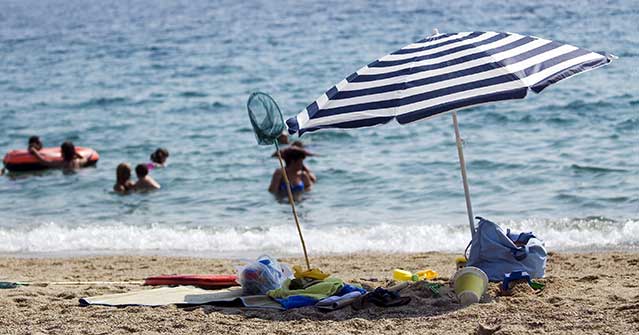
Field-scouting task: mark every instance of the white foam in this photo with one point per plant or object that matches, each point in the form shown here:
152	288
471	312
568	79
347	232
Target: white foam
283	239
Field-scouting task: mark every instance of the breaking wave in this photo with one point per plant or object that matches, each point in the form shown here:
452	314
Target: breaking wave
564	234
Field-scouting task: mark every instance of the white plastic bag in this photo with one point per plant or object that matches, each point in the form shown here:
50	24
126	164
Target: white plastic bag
262	275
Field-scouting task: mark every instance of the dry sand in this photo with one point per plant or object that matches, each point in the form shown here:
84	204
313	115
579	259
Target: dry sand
594	293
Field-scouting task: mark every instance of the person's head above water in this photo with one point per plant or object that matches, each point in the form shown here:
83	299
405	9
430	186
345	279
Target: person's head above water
298	144
123	173
295	145
141	171
160	155
295	154
34	142
67	149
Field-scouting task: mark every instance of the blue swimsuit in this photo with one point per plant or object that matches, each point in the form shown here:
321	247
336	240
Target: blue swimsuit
294	187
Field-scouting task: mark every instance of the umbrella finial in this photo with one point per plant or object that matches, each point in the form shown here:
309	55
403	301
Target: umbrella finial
435	31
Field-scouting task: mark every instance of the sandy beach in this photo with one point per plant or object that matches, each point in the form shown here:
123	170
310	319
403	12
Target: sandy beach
587	293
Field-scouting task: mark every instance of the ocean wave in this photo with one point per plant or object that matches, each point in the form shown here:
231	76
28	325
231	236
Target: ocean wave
628	125
594	169
482	164
580	105
102	102
193	94
563	234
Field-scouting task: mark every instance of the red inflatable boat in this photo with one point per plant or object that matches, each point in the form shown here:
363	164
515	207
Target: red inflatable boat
22	160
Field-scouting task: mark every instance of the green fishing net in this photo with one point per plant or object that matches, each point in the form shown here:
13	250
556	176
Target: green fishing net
268	124
266	118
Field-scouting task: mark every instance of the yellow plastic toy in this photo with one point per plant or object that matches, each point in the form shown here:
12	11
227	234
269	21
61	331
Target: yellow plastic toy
403	275
313	273
427	274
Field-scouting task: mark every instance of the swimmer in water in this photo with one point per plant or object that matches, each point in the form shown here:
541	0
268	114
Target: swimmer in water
158	158
299	144
71	160
310	173
145	182
123	183
299	177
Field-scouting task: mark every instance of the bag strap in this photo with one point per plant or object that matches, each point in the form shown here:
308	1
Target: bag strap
466	250
471	241
520	253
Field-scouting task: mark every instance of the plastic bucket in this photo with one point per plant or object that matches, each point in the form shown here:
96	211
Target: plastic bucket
470	283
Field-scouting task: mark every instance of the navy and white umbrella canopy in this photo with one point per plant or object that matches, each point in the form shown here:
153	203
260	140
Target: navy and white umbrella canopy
441	73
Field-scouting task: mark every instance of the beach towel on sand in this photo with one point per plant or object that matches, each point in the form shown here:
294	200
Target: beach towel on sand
317	291
183	295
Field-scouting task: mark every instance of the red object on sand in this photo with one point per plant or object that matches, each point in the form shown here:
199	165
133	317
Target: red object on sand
203	281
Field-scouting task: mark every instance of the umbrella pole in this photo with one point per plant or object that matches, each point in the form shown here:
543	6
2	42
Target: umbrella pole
462	165
292	202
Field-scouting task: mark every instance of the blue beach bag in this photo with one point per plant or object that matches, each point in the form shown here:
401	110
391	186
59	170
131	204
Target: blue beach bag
497	252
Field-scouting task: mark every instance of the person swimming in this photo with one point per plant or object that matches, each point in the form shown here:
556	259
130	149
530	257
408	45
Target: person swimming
123	183
300	178
71	160
158	158
145	182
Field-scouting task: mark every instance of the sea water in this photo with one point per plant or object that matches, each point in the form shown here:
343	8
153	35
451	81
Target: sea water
127	77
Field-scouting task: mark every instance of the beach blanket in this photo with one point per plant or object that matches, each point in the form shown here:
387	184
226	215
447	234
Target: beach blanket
184	296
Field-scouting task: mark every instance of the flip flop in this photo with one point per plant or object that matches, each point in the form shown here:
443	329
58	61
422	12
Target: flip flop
384	298
380	297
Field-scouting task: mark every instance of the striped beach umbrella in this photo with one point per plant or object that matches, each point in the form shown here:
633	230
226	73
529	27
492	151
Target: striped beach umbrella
441	73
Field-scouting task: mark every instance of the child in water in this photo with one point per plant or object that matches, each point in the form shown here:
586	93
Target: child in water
145	182
34	144
123	183
158	158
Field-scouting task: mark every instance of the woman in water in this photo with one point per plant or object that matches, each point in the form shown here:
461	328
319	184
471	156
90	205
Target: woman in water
310	173
298	175
71	160
123	183
300	145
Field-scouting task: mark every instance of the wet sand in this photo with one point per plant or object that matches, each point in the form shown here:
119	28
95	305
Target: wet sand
586	293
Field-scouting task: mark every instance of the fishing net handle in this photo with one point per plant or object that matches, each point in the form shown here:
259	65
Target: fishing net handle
292	202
